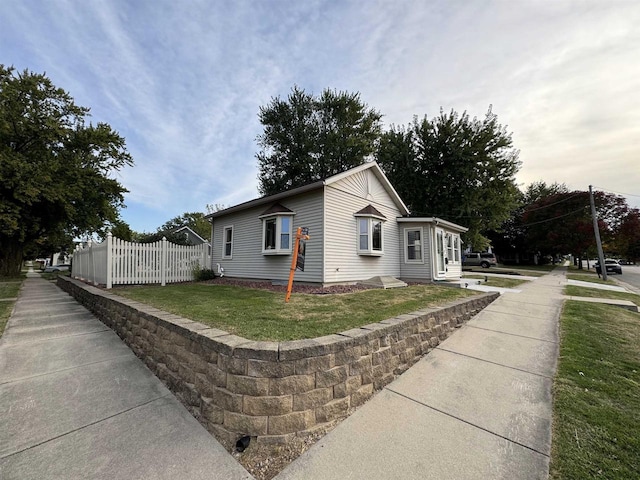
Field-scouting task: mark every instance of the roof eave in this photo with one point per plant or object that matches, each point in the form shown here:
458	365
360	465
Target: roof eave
270	198
434	220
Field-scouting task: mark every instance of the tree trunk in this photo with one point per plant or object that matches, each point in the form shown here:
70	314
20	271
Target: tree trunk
11	256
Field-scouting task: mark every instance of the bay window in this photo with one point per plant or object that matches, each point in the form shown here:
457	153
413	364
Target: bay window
370	235
276	235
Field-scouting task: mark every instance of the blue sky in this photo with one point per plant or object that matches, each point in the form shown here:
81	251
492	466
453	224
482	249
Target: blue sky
183	81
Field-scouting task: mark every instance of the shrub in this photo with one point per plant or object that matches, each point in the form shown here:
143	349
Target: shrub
202	274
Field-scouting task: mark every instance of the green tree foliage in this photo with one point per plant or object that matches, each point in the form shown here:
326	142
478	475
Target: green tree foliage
561	223
308	138
626	242
54	167
121	229
456	168
194	220
511	237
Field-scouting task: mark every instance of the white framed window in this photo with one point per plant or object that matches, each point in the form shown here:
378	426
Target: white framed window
370	236
413	241
452	243
456	249
277	234
227	242
449	246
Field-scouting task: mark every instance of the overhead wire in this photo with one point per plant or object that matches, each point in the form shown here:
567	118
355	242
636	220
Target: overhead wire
554	218
619	193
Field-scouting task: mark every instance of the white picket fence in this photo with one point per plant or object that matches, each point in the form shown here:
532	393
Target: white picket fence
117	262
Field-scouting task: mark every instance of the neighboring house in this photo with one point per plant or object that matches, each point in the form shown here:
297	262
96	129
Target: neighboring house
190	235
359	228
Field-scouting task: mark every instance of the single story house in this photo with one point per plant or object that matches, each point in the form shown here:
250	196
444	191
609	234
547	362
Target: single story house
190	235
358	225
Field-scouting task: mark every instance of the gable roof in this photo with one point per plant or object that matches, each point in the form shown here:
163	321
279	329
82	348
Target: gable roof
276	208
375	168
370	210
190	230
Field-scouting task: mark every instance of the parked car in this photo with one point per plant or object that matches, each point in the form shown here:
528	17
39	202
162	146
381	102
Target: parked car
56	268
478	259
611	265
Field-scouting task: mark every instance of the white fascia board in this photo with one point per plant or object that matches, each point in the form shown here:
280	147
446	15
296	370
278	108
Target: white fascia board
379	175
435	221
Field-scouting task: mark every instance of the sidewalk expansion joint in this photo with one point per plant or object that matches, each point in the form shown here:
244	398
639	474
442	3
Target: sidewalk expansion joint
544	305
488	310
470	423
84	311
496	363
29	377
44	340
513	334
85	426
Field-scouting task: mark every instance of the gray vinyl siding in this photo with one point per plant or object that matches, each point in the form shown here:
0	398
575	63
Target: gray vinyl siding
416	271
247	259
343	264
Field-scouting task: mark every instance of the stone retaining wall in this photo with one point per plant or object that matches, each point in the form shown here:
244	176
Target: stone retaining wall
272	390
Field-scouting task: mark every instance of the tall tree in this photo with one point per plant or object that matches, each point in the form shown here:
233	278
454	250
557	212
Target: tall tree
308	138
454	167
511	238
561	223
55	169
194	220
626	242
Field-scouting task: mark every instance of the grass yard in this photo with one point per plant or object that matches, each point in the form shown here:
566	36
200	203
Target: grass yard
597	394
499	281
263	315
8	289
590	278
575	291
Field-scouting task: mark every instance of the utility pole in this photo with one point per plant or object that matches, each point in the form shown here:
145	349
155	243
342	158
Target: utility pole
596	230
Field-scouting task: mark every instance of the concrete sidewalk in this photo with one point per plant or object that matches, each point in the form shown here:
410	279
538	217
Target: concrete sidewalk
76	403
477	407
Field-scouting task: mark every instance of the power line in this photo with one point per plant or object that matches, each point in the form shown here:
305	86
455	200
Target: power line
552	204
554	218
619	193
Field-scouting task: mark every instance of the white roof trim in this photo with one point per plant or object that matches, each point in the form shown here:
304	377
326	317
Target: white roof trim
434	220
312	186
379	175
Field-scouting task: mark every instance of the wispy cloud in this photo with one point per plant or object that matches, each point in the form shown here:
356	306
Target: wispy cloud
183	81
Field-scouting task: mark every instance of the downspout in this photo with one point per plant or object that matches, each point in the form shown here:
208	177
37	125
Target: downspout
211	256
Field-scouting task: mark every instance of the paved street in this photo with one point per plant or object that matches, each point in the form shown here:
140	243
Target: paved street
630	275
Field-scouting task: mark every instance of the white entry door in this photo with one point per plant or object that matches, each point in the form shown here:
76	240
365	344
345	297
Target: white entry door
441	268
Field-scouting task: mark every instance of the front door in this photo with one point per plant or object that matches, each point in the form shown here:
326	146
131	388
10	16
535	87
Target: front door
441	268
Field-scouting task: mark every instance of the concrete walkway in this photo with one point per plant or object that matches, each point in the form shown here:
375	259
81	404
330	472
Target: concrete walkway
76	403
477	407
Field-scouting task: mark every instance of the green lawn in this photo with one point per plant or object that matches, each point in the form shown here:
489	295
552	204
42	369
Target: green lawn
597	394
263	315
590	278
597	293
501	282
9	288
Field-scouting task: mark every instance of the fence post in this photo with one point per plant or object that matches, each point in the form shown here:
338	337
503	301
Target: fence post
92	268
109	260
163	262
